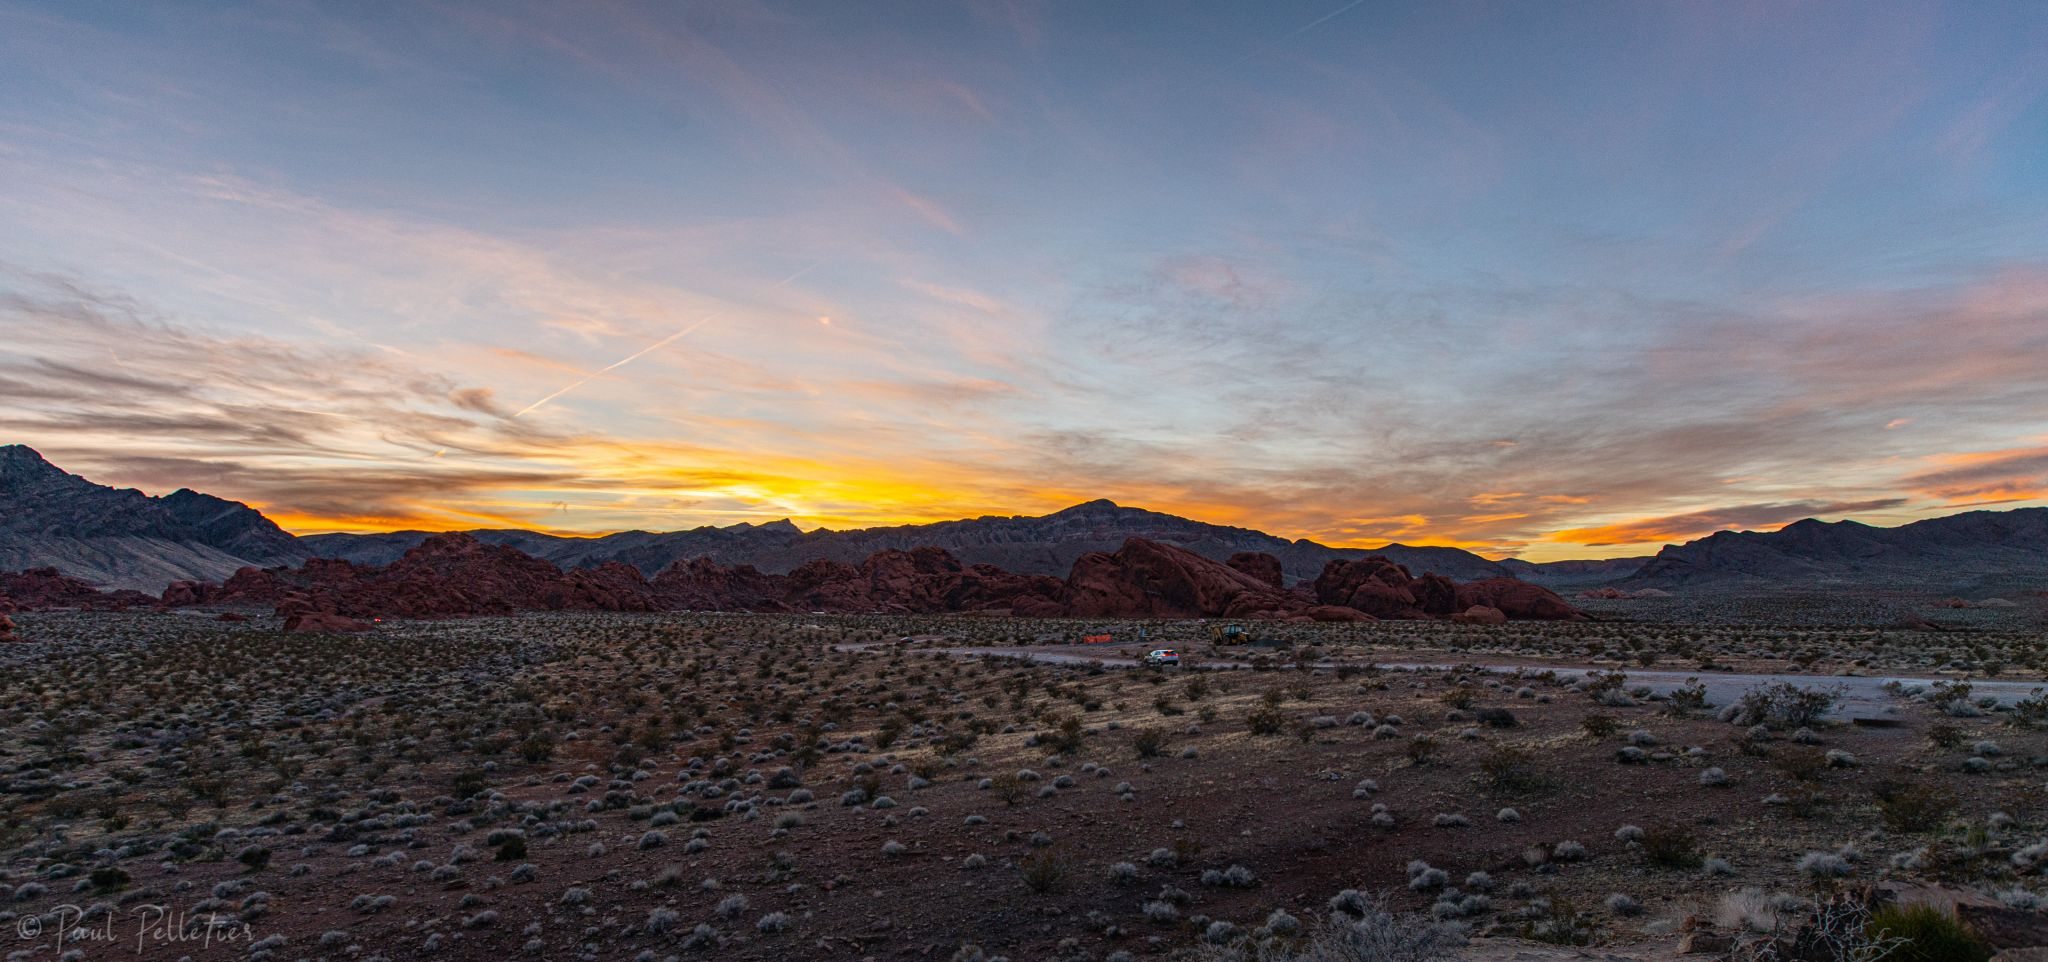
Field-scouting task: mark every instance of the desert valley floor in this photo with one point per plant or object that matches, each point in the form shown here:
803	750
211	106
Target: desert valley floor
624	786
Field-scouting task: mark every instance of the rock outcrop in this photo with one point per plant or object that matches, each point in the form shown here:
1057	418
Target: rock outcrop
1376	586
1517	599
40	589
457	575
1147	579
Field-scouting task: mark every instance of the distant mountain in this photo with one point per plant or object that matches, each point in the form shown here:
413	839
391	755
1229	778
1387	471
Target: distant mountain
122	538
1042	545
1938	554
1569	573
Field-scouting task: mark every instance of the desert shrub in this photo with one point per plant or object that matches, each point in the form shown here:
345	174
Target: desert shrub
1066	739
1364	931
1929	933
1266	719
467	783
1780	706
1148	742
1688	699
1945	735
1911	809
1043	872
1804	764
1511	769
1671	847
2030	712
1598	725
1558	923
110	878
1823	865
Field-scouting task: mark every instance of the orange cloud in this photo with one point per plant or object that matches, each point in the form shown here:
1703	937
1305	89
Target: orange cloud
1682	527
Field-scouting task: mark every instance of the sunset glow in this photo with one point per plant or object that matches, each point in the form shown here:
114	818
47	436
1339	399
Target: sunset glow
1536	280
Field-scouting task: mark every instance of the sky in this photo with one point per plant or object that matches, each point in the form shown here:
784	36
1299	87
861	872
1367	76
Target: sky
1555	280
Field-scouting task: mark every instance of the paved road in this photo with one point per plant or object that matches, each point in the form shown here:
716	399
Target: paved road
1859	697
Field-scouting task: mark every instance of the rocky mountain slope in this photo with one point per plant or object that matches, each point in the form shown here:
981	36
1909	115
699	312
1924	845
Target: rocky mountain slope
1936	554
122	538
1042	545
1559	574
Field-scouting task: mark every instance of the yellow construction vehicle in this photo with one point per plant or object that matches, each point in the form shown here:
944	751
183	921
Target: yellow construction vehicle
1229	634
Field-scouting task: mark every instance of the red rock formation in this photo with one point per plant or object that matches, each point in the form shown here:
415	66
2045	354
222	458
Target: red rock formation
455	575
989	588
39	589
1481	615
257	587
1259	565
1374	585
1146	579
1517	599
1435	594
705	585
7	630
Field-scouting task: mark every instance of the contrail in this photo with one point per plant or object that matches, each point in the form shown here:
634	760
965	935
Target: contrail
651	348
1325	18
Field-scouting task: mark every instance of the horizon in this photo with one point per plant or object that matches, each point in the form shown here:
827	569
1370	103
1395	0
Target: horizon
1542	283
1104	501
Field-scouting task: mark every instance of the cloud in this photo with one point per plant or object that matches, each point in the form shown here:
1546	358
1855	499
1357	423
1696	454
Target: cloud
1684	527
1985	477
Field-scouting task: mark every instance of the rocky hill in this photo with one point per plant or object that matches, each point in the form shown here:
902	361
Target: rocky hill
1560	574
1041	545
1938	554
122	538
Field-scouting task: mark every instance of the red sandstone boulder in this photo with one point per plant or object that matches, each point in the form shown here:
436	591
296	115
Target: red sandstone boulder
1518	600
7	630
1480	615
179	594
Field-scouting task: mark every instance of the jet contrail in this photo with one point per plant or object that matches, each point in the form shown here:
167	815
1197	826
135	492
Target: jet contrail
1325	18
651	348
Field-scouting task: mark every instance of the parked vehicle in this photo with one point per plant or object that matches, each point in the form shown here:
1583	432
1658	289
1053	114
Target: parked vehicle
1162	657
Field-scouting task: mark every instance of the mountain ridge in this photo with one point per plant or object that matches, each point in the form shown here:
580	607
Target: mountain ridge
123	538
1026	544
1955	551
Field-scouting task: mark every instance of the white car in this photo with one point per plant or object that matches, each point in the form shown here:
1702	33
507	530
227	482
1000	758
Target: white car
1161	657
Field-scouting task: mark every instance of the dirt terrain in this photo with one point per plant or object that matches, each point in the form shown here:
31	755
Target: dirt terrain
623	786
